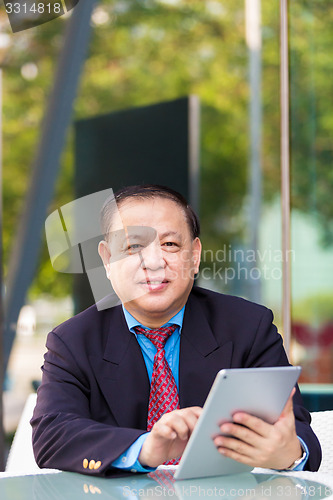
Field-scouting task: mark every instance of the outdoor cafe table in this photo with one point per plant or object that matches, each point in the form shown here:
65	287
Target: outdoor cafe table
258	484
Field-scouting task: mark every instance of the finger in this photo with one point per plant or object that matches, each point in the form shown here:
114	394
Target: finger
185	412
256	424
164	431
193	411
197	410
244	459
234	448
233	444
191	416
177	425
244	434
182	422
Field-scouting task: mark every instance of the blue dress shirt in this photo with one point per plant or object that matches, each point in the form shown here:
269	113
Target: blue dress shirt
129	459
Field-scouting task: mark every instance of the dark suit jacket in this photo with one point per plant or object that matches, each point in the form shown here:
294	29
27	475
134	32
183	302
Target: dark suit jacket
93	400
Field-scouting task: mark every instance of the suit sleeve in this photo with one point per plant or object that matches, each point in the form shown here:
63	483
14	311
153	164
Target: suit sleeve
64	434
267	350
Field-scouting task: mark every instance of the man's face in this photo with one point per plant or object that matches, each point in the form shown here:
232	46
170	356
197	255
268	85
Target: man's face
151	260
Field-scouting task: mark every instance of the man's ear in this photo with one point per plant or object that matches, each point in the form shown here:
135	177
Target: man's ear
196	250
105	255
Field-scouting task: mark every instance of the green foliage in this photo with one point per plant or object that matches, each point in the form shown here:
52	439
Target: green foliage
147	51
311	111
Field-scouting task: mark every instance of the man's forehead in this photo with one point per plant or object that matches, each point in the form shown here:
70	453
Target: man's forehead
142	231
165	234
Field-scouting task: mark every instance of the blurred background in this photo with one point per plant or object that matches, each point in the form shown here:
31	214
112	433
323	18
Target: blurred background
215	67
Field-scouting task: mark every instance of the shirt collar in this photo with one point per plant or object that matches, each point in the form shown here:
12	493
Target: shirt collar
177	319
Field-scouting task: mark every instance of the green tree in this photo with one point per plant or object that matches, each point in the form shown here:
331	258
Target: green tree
154	50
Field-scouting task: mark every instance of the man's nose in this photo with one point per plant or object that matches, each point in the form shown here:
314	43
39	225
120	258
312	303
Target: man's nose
152	256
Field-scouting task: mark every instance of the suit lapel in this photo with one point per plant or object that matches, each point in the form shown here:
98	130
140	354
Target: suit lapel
201	355
122	374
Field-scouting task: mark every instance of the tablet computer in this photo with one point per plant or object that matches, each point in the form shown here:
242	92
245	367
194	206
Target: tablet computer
262	392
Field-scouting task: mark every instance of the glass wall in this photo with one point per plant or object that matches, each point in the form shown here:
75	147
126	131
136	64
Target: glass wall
311	120
227	55
241	168
157	50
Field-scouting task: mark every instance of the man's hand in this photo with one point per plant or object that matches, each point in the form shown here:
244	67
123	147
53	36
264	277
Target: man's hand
260	444
169	436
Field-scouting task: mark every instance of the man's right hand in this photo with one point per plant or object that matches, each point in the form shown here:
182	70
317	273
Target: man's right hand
169	436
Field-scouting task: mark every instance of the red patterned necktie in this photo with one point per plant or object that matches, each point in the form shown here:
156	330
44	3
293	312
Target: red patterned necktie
163	396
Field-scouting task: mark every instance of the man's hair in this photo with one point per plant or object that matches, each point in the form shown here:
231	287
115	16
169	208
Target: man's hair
148	192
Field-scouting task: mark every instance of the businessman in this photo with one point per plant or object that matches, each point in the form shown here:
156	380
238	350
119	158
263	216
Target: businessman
122	388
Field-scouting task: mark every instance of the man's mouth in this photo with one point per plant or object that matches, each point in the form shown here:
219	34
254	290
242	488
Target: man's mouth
155	284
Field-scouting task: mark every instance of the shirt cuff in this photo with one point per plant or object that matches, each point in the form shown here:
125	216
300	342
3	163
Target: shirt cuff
129	460
301	465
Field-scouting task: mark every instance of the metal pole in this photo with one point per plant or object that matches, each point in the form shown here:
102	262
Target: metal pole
2	435
194	151
25	254
285	173
253	39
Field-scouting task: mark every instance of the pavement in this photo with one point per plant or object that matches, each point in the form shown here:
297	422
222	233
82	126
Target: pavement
24	367
26	358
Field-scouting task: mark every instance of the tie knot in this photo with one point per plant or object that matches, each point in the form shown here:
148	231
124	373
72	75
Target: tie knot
158	336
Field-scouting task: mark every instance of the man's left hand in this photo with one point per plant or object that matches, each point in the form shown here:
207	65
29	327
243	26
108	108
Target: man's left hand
259	444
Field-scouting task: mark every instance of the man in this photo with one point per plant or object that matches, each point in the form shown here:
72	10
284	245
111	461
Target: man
102	368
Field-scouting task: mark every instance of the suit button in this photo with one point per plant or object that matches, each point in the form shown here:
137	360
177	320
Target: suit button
91	464
85	463
97	465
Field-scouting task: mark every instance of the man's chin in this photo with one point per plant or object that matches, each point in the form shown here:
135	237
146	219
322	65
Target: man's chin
152	303
148	292
147	302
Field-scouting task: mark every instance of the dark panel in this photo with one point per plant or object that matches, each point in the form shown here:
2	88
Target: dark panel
317	401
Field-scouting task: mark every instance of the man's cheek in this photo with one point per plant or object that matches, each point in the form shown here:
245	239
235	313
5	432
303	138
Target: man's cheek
185	257
173	274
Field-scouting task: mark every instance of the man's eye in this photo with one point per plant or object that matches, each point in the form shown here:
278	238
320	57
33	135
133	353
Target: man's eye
134	247
170	244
